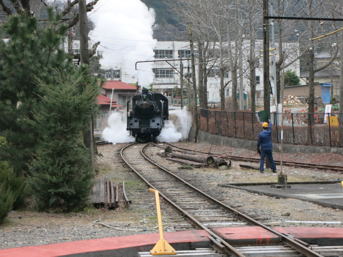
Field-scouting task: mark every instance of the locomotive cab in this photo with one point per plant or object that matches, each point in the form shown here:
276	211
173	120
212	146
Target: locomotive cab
146	117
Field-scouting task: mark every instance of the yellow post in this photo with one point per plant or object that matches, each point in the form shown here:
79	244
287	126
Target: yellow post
162	247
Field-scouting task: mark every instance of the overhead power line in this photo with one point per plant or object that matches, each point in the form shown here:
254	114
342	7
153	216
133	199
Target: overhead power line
303	18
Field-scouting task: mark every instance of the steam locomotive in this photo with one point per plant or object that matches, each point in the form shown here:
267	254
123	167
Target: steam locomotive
146	115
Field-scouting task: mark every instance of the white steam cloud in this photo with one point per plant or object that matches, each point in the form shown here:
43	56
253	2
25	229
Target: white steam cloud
175	129
116	131
124	29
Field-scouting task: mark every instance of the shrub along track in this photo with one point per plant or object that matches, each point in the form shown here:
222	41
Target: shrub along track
198	207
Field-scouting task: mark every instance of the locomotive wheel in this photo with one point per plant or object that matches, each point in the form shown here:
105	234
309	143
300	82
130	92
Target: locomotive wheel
146	138
142	138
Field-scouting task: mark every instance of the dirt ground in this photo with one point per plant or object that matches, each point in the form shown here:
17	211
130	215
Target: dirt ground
27	227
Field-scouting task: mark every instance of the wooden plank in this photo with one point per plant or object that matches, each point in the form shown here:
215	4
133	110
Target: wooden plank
112	195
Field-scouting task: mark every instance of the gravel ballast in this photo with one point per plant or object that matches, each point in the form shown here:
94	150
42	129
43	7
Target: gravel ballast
28	227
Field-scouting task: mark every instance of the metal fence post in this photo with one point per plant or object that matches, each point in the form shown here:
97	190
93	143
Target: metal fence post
311	127
276	126
215	122
329	128
243	125
235	123
252	125
207	120
227	127
293	128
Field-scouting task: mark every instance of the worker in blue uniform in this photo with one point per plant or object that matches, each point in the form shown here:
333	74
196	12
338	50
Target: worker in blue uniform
265	146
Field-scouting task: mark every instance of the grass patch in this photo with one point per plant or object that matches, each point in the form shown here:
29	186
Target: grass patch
134	184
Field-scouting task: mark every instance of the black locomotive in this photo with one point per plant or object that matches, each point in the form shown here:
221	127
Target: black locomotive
145	118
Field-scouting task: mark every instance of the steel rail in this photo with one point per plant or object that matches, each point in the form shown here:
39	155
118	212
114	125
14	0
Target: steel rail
297	244
252	159
215	239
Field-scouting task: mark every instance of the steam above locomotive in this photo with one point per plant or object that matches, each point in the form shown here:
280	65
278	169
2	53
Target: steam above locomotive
146	115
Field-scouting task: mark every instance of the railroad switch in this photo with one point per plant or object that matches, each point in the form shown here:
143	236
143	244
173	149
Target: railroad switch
281	181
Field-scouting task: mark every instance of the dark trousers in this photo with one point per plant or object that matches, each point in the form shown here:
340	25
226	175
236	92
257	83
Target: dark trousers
269	155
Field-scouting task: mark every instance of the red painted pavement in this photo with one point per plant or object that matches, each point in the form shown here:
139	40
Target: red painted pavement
113	243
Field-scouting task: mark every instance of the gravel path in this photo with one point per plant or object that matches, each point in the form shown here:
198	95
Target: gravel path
27	227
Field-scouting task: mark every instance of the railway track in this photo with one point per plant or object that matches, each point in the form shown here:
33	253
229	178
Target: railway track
197	206
251	159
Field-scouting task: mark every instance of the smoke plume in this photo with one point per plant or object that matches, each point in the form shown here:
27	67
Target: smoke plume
124	29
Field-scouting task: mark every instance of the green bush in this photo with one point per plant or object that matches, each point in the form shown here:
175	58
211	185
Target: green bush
291	79
11	188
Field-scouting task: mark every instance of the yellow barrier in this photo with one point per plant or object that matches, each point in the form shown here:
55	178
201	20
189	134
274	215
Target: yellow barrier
162	247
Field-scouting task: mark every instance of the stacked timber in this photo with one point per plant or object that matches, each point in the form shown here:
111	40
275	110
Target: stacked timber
106	194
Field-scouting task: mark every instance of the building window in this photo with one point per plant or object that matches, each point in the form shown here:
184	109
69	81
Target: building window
163	54
258	80
184	53
215	72
163	73
76	51
112	74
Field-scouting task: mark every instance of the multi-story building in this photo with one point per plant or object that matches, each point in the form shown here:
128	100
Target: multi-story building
172	53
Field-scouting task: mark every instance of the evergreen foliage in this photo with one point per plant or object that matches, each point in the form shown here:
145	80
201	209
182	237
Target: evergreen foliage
291	79
61	172
45	104
31	52
10	187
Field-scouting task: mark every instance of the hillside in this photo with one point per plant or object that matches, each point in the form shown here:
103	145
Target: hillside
168	25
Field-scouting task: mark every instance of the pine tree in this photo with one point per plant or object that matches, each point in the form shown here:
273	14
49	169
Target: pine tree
291	78
61	172
32	52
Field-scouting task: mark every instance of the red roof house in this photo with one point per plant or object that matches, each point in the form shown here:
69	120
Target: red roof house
119	91
118	85
105	101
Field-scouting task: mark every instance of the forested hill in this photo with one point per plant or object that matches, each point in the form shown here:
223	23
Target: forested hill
168	24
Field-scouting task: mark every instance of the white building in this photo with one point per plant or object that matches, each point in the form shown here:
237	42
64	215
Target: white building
167	73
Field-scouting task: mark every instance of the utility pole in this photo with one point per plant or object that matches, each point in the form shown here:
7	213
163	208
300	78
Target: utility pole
266	85
194	95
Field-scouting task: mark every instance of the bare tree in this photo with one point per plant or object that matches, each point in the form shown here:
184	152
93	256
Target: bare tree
336	10
33	7
311	64
253	17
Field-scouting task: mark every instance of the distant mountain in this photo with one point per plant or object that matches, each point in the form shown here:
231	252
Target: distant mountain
168	25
